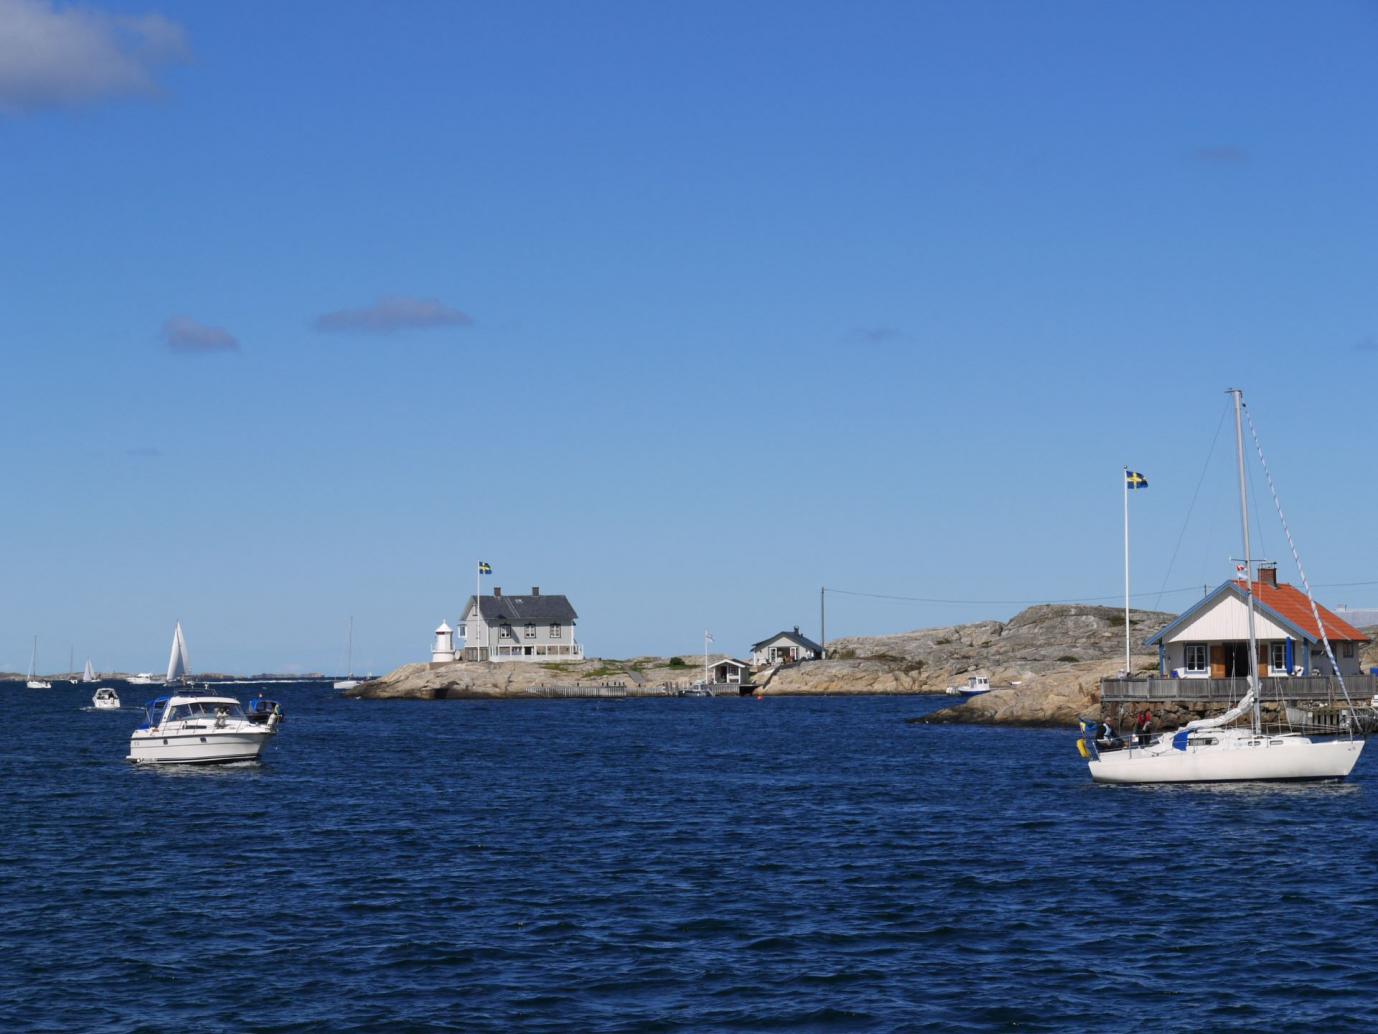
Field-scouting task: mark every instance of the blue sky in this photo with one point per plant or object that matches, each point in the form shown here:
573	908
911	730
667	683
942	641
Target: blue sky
682	310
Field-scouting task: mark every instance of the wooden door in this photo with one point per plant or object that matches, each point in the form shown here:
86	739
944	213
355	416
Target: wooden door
1217	660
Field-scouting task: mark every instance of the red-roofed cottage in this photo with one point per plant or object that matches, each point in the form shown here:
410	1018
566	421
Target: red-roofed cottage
1211	639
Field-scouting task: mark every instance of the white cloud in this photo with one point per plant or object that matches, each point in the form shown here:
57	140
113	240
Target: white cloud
182	334
53	56
390	314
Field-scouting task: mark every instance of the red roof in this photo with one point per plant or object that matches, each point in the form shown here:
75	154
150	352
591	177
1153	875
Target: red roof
1292	604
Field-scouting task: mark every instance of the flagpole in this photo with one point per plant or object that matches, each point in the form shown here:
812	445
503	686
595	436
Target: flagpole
1126	572
705	659
478	607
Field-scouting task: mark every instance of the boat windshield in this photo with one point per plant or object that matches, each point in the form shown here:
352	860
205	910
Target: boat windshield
205	709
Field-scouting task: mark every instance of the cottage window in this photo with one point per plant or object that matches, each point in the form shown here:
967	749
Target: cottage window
1195	656
555	630
505	632
462	631
1277	658
529	631
1347	650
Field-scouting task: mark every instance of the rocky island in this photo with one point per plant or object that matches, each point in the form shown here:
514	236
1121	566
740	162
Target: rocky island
1045	662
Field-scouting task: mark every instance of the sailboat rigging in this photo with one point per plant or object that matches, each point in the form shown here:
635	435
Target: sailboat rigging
1215	749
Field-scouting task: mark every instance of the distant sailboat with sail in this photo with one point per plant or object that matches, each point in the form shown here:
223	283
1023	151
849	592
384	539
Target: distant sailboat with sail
177	664
89	675
34	681
349	681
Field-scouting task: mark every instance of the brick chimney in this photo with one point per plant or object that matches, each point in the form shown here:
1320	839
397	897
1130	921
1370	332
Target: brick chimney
497	590
796	629
1268	575
535	590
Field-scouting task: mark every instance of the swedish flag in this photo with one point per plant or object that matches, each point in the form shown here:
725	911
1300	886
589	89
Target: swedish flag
484	568
1133	479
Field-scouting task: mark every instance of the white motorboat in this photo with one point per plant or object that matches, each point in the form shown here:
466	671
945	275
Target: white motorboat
975	684
34	682
1210	750
105	699
349	681
186	729
144	678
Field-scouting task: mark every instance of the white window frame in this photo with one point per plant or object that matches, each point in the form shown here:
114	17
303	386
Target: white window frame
504	631
555	630
1205	667
529	632
1277	658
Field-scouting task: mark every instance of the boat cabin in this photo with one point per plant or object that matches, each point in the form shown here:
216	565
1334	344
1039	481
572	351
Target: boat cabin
1211	639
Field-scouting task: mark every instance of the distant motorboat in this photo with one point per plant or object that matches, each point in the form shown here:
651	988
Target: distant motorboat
974	684
105	699
144	678
186	729
34	681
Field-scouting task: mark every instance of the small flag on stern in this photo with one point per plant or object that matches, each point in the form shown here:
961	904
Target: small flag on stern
1133	479
484	568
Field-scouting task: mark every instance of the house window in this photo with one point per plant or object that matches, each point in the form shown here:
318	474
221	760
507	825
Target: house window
1196	657
462	631
529	631
505	632
555	630
1347	650
1277	657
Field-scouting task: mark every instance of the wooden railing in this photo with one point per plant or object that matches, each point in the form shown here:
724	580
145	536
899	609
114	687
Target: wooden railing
1300	687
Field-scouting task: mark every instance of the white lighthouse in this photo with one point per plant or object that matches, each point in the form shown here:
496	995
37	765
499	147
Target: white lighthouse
444	649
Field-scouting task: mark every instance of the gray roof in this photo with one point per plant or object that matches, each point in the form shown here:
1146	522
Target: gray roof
520	609
793	637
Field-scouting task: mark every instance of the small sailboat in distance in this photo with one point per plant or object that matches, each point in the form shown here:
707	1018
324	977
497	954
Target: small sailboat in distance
177	665
349	681
34	681
89	675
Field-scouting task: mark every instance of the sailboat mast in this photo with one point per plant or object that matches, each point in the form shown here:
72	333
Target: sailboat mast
349	649
1248	557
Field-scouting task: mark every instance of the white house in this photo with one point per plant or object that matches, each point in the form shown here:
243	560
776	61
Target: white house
1211	639
784	647
519	628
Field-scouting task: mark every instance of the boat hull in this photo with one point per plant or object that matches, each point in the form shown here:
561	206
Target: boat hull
208	748
1262	759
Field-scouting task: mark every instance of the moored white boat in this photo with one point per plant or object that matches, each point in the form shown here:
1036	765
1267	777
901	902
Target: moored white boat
349	681
198	730
974	684
144	678
34	682
105	699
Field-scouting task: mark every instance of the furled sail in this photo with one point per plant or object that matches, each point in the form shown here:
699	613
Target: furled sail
177	665
89	675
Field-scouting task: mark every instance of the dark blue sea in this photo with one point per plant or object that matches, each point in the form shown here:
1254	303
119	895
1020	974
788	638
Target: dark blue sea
663	865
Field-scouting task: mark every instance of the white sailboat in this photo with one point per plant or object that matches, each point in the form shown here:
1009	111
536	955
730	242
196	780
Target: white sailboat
34	681
1210	750
89	675
349	681
177	664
